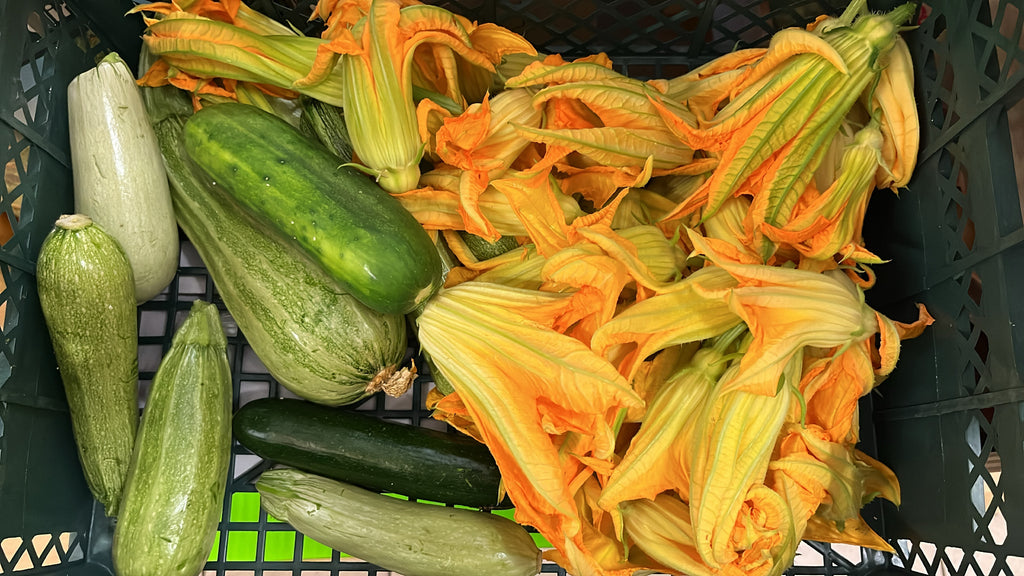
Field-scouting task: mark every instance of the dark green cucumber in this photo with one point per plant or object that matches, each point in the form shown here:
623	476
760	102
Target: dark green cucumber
175	488
315	339
87	294
295	188
410	538
369	452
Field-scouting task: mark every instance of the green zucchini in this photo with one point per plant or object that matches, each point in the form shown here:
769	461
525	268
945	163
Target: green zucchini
369	452
175	487
316	340
294	187
485	250
411	538
87	294
326	123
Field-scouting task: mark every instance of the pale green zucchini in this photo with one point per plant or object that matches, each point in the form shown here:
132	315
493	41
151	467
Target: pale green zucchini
178	475
411	538
88	300
313	337
119	180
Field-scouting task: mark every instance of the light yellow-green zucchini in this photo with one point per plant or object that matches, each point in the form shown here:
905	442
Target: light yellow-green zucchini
410	538
119	178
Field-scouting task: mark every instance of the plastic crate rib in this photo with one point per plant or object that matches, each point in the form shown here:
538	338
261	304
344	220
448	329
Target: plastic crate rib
949	421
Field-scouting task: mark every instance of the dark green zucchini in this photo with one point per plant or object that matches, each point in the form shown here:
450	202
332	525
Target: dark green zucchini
351	227
483	249
369	452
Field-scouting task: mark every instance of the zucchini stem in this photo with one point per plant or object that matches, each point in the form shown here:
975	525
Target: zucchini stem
73	222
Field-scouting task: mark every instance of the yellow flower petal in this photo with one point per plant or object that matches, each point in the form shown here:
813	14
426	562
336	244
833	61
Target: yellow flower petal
617	101
661	529
616	146
517	376
684	314
554	70
735	437
787	310
855	532
532	197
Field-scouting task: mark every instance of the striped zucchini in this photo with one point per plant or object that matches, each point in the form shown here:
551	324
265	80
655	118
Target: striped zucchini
87	295
315	339
175	487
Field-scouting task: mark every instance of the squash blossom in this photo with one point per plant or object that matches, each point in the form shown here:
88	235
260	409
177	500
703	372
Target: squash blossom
659	455
207	56
482	142
733	443
893	97
437	204
377	55
786	311
828	222
827	483
783	112
547	425
614	122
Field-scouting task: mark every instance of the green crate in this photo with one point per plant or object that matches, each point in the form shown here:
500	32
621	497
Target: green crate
949	421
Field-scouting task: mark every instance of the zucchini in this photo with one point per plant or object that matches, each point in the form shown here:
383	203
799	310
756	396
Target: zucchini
483	249
294	187
411	538
119	180
316	340
369	452
326	123
87	296
175	488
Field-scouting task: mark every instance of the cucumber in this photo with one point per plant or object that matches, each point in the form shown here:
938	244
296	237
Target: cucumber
296	189
87	294
369	452
411	538
175	487
316	340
